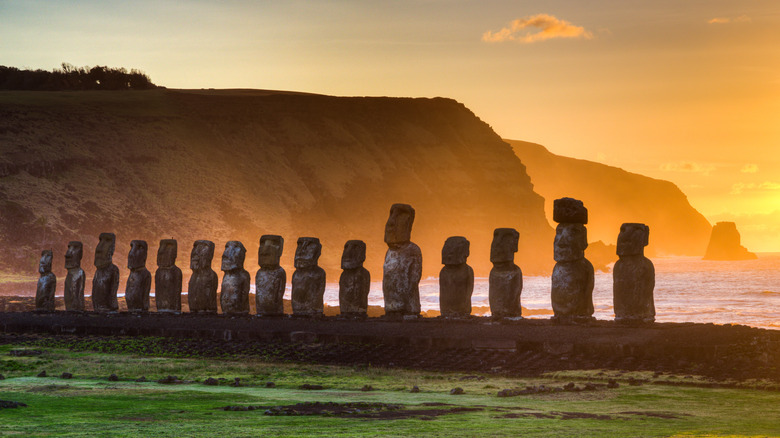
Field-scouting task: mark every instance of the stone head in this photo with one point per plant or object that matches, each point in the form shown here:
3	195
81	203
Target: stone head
270	252
308	252
398	229
234	255
569	211
354	254
455	251
570	242
104	252
74	254
202	254
166	254
504	245
633	239
137	256
44	266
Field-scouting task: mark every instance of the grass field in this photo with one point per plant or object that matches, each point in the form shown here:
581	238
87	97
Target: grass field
89	404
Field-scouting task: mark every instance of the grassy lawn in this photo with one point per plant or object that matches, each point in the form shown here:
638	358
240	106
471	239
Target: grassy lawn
91	405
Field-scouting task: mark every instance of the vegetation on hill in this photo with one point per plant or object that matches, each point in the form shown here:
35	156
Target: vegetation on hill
71	78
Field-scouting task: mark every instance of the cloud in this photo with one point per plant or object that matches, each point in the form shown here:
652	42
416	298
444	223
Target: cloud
727	20
535	28
749	168
688	166
739	188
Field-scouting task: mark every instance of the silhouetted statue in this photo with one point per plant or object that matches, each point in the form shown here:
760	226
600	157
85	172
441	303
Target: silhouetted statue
47	283
106	281
355	280
403	264
572	277
235	283
633	277
168	278
74	281
202	288
456	279
308	280
271	279
506	279
139	282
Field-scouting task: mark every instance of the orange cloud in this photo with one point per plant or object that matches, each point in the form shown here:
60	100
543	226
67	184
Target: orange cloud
738	188
726	20
749	168
688	166
535	28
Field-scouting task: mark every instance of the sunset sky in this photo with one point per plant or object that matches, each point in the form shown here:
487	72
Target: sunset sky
687	91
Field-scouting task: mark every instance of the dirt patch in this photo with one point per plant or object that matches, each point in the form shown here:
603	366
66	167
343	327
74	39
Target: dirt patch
48	388
559	415
666	415
8	404
372	411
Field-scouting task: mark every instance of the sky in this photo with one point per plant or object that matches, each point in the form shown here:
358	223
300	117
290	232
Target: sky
682	90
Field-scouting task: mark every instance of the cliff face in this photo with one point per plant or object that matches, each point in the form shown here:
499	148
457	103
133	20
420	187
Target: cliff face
725	244
614	196
233	165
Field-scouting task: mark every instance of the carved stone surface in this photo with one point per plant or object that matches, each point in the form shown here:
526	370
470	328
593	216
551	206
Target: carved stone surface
456	279
47	283
570	211
234	297
308	280
202	288
505	283
74	281
167	278
139	282
355	280
402	269
633	277
572	277
106	281
271	279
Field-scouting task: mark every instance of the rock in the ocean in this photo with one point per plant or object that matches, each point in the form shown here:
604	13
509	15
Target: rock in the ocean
725	244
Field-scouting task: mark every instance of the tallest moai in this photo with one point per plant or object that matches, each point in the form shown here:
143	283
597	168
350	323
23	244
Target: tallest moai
572	277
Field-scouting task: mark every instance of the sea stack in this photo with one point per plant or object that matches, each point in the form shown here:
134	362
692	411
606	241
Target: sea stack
47	283
105	283
572	277
725	244
456	279
633	277
402	269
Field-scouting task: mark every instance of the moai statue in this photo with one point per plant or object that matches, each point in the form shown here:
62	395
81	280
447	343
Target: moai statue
355	280
633	277
74	281
234	297
456	279
47	284
106	281
271	279
572	277
403	264
139	282
202	289
308	280
167	278
506	279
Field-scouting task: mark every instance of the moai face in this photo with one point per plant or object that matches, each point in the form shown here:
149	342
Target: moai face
234	255
456	250
104	252
632	239
44	266
354	254
504	245
137	257
73	255
570	242
270	251
166	254
202	254
398	229
308	252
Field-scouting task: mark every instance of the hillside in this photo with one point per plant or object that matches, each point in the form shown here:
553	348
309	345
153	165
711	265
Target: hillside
233	165
614	196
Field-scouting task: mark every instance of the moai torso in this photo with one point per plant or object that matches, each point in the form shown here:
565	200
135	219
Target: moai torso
355	280
308	280
74	281
106	281
139	282
47	284
202	288
456	279
633	277
402	269
234	297
271	279
505	284
572	277
167	278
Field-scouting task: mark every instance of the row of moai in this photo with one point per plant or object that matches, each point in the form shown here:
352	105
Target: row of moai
571	294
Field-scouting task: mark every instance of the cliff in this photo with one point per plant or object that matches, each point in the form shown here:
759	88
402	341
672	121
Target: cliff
614	196
725	244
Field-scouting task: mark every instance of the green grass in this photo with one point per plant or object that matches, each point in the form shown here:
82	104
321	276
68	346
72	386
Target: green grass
90	405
